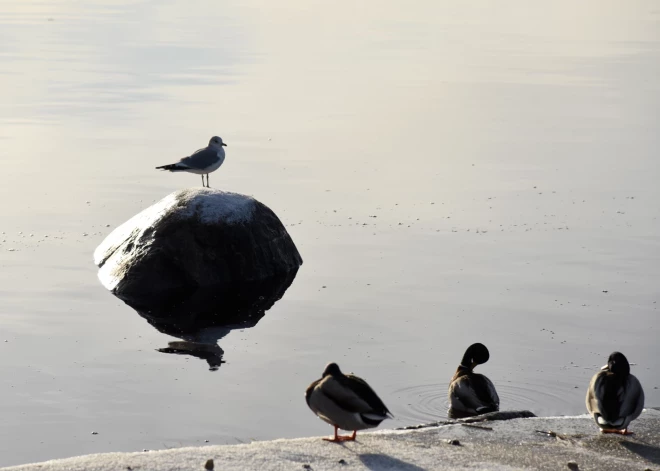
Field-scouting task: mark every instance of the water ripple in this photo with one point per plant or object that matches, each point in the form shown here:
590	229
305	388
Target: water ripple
428	402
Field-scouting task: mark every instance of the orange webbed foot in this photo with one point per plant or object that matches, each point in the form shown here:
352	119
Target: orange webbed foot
619	432
341	438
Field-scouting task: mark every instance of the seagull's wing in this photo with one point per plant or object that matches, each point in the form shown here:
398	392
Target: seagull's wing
201	159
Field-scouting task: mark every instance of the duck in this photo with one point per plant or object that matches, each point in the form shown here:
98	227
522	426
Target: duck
346	402
615	397
472	393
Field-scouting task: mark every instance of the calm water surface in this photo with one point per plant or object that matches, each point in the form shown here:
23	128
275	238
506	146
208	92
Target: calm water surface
451	173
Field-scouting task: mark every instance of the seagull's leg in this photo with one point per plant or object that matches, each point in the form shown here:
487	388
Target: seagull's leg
208	185
202	179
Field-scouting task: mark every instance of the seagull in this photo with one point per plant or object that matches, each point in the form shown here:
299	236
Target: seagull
202	162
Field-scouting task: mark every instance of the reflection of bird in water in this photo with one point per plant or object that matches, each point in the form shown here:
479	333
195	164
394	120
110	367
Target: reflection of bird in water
201	344
202	162
471	393
346	402
212	353
615	397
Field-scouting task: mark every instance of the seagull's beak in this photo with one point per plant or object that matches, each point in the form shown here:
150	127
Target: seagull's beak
223	144
604	367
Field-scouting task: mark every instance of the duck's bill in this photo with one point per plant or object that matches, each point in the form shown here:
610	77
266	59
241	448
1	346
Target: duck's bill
604	367
225	145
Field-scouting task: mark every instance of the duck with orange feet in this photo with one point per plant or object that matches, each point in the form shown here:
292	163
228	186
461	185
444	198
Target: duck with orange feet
346	402
615	397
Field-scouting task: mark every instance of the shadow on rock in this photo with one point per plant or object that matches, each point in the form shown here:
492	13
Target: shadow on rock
203	317
648	452
377	461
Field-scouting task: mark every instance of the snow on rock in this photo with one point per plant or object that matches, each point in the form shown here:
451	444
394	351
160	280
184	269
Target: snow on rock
211	206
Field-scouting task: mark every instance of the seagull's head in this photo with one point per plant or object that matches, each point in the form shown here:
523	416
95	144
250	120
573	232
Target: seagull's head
216	142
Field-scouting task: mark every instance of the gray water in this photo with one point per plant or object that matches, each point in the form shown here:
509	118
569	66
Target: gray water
452	172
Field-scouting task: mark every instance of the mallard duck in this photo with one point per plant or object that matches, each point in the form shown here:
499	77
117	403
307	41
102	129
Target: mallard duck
615	397
471	393
346	402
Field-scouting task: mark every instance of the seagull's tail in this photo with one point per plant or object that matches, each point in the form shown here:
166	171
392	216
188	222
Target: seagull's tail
172	167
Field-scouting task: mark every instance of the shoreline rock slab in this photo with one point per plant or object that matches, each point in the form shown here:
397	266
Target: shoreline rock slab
493	445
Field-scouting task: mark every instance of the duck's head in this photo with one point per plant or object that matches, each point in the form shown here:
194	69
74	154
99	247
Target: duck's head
332	369
618	364
476	354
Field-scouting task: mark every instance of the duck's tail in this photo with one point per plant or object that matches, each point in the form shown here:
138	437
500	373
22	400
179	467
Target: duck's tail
373	418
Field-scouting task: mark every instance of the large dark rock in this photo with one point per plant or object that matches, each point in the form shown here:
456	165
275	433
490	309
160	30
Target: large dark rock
194	239
231	306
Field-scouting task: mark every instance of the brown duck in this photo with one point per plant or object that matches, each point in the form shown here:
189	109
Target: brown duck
615	397
346	402
472	393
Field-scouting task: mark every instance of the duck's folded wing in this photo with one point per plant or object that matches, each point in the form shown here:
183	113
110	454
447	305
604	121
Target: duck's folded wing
485	391
591	400
364	391
632	401
310	390
598	392
343	396
476	392
463	390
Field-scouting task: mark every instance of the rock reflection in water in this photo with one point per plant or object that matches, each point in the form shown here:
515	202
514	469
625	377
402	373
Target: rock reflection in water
203	317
